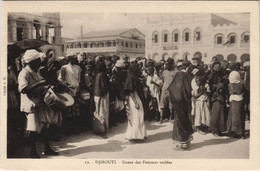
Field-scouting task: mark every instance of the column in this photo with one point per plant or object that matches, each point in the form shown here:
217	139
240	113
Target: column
13	30
30	30
47	33
26	29
43	29
57	35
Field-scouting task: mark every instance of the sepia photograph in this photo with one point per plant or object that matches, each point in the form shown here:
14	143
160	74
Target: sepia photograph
117	86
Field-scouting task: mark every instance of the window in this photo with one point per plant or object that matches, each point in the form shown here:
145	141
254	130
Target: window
140	46
155	38
122	44
197	34
126	44
245	37
175	35
136	46
131	45
232	39
165	38
114	43
91	45
187	37
68	46
85	45
109	44
219	40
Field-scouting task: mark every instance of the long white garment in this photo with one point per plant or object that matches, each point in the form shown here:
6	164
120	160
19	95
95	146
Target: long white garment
154	89
194	87
102	109
136	127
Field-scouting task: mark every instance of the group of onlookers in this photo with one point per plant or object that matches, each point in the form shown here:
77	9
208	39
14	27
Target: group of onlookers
107	90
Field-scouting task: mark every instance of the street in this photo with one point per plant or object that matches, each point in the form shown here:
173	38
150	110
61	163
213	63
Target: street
86	145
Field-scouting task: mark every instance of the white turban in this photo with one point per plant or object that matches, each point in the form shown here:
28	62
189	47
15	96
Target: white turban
179	64
31	55
61	58
120	64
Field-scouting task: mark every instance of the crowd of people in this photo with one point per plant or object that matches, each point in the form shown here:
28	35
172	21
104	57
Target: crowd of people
51	96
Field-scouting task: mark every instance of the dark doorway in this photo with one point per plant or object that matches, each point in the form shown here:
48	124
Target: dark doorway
19	32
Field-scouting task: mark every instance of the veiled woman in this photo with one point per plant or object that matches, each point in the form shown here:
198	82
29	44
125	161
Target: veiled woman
134	107
180	91
101	98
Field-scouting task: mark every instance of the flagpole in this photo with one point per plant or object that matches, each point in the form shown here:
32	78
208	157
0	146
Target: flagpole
81	36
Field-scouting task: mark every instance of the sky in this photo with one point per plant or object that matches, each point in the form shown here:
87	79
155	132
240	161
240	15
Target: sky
71	22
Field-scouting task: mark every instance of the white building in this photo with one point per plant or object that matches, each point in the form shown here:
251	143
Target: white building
130	42
43	26
184	35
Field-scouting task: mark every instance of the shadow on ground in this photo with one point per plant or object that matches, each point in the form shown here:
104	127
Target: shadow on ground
110	146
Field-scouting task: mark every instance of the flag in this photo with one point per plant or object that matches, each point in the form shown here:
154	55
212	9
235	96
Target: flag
228	42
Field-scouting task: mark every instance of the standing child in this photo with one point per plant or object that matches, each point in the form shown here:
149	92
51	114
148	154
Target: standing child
202	113
236	119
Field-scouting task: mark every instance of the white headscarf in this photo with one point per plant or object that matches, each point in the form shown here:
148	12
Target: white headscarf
246	64
31	55
234	77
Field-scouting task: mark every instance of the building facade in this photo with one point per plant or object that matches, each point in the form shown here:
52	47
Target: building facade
43	26
130	42
183	35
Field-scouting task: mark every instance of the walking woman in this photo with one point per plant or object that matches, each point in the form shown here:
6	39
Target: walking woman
134	107
180	91
101	98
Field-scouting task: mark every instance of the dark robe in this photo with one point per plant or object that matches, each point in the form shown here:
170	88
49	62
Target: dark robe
117	88
217	122
101	85
180	91
133	82
236	117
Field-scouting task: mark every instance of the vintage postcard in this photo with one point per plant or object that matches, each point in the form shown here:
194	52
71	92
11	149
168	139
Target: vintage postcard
116	85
